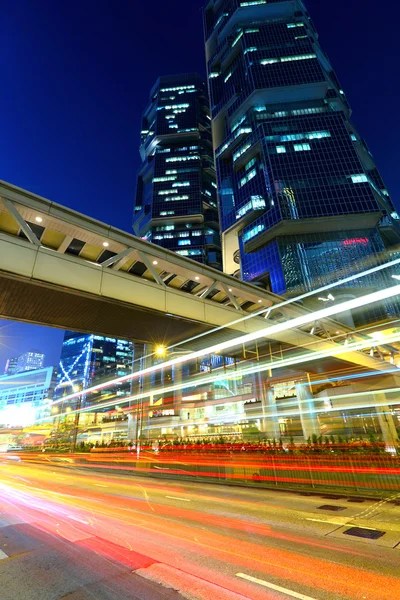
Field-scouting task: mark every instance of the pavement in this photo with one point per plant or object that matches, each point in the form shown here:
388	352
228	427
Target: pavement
73	534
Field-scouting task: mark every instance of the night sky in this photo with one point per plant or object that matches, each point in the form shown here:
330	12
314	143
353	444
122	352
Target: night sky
76	76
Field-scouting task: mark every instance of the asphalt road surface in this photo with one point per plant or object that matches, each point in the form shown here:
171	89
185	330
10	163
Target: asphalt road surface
82	534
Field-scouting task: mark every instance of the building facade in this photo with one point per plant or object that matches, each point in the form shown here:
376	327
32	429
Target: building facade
301	200
29	361
25	397
88	359
176	196
11	366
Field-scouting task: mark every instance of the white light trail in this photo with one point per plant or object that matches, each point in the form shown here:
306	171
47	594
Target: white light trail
267	332
267	311
249	370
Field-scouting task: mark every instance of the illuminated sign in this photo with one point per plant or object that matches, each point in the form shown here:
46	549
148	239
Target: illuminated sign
354	241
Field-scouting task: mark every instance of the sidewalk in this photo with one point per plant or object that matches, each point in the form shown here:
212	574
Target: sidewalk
37	564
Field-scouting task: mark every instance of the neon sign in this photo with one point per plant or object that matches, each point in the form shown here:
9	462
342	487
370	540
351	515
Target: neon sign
353	241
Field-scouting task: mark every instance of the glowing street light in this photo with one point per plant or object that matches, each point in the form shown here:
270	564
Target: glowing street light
161	350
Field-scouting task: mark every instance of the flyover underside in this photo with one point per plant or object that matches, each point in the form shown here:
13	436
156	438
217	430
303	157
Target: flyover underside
22	299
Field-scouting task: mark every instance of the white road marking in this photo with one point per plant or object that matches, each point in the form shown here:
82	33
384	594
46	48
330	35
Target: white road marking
177	498
363	527
101	485
3	555
277	588
343	523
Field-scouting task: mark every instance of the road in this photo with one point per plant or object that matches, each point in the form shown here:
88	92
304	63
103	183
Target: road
82	534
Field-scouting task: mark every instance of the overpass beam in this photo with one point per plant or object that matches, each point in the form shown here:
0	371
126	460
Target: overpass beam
209	289
231	296
64	244
143	258
21	222
117	258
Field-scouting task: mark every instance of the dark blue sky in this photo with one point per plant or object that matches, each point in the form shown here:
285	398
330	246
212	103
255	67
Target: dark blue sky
76	74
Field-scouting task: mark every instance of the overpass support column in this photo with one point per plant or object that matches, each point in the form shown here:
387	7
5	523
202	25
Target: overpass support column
177	378
270	422
386	421
306	406
132	426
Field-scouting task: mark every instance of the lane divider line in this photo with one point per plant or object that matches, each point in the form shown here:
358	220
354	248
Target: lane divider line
343	524
272	586
177	498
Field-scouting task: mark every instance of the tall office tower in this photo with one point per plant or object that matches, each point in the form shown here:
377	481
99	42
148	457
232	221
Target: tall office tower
25	397
11	366
176	196
30	361
88	359
301	200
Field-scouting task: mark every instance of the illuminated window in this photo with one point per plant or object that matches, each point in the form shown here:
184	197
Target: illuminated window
228	76
176	198
235	41
248	177
270	61
253	2
361	178
160	179
241	151
253	232
280	149
182	158
177	89
181	184
301	147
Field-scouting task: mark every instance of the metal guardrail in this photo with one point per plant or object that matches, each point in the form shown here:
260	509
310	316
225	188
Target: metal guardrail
360	474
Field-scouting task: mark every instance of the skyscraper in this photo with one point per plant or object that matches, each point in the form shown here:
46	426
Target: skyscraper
176	199
11	366
25	397
87	359
301	199
29	361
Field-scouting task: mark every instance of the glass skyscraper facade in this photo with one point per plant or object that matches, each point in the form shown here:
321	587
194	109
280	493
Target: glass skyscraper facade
301	200
88	359
29	361
176	195
26	397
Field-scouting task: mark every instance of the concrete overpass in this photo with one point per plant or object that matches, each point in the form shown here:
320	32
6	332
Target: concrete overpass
63	269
